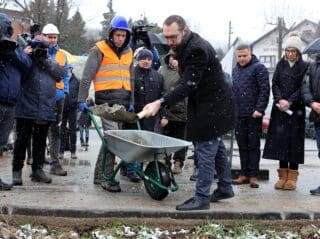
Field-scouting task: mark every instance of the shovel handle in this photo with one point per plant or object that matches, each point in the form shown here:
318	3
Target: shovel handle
142	114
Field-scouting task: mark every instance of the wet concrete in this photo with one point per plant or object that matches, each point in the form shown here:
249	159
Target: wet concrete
76	196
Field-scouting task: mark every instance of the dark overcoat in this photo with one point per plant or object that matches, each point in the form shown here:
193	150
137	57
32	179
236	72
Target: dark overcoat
210	101
285	138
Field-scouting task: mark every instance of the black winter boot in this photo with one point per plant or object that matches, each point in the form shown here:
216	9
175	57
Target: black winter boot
82	142
38	175
17	178
87	141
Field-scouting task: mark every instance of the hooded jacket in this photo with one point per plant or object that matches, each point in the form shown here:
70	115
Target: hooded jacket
12	67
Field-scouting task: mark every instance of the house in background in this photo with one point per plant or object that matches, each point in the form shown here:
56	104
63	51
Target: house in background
266	47
20	22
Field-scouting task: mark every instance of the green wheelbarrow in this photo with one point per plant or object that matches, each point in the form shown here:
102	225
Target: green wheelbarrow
142	146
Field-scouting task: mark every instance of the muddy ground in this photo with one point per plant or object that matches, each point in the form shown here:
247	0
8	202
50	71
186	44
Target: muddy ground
83	226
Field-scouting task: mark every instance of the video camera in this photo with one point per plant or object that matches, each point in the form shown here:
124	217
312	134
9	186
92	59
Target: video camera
140	32
25	39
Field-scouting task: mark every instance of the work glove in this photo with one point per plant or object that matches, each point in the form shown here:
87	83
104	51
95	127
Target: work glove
83	107
131	108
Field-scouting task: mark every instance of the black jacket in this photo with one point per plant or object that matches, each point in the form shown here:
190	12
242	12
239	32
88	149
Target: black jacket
311	87
37	94
71	100
148	87
285	138
251	87
210	103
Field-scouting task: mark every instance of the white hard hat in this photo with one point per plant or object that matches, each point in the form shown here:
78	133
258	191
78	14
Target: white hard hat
50	29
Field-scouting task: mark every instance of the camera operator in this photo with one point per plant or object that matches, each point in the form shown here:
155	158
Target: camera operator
35	110
140	38
14	61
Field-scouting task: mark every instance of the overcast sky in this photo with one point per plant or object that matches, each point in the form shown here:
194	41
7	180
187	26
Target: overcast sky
210	21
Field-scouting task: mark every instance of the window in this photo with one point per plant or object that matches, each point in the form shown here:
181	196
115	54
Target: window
268	61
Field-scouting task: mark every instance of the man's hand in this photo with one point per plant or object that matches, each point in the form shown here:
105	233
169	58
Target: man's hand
256	114
316	107
164	122
83	107
28	50
152	108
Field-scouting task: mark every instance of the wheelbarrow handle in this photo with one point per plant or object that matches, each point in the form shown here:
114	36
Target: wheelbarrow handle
142	114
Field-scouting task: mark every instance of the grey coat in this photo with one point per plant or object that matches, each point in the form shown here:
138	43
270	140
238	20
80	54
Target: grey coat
177	112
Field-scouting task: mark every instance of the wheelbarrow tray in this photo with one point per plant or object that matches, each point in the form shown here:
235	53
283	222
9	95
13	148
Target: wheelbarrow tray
142	145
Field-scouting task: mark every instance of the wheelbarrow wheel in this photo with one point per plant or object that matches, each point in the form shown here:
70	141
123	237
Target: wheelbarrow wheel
154	190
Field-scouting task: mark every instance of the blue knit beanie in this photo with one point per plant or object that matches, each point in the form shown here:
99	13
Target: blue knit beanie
144	53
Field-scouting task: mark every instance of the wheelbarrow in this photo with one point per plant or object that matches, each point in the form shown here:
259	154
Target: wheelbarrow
142	146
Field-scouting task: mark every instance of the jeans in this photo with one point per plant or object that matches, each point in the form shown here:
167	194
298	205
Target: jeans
317	129
211	156
6	123
248	133
83	129
55	133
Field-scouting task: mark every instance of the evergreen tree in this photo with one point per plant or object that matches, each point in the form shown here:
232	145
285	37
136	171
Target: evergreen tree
76	41
107	19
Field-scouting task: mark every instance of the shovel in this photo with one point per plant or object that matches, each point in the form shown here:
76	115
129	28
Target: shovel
116	113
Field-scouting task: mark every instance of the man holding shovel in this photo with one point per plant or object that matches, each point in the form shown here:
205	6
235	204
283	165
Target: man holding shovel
210	109
108	66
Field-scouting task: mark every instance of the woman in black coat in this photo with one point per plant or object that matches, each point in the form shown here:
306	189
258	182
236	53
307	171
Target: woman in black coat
285	138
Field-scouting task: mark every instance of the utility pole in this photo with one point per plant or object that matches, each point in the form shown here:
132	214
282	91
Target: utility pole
280	36
229	35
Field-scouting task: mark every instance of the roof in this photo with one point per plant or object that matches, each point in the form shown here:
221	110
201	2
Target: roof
15	14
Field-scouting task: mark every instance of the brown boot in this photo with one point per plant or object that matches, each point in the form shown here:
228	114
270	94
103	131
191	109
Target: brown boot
291	183
241	180
253	182
283	175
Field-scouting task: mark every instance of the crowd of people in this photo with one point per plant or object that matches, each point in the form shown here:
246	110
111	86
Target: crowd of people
189	98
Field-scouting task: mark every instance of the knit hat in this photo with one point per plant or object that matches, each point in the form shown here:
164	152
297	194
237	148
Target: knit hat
293	41
144	53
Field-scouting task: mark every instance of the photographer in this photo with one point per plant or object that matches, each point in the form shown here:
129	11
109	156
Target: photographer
35	110
140	38
13	63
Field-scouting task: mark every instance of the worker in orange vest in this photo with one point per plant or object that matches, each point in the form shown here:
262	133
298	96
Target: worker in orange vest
109	65
62	89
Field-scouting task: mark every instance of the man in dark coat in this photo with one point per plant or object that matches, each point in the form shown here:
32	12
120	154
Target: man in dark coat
13	63
210	109
177	114
36	109
148	86
285	137
69	118
311	96
251	92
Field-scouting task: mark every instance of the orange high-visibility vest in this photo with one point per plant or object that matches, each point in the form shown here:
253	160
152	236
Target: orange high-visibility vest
61	59
113	73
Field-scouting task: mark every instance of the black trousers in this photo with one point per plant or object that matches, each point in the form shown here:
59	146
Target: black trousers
69	118
248	133
176	129
25	129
